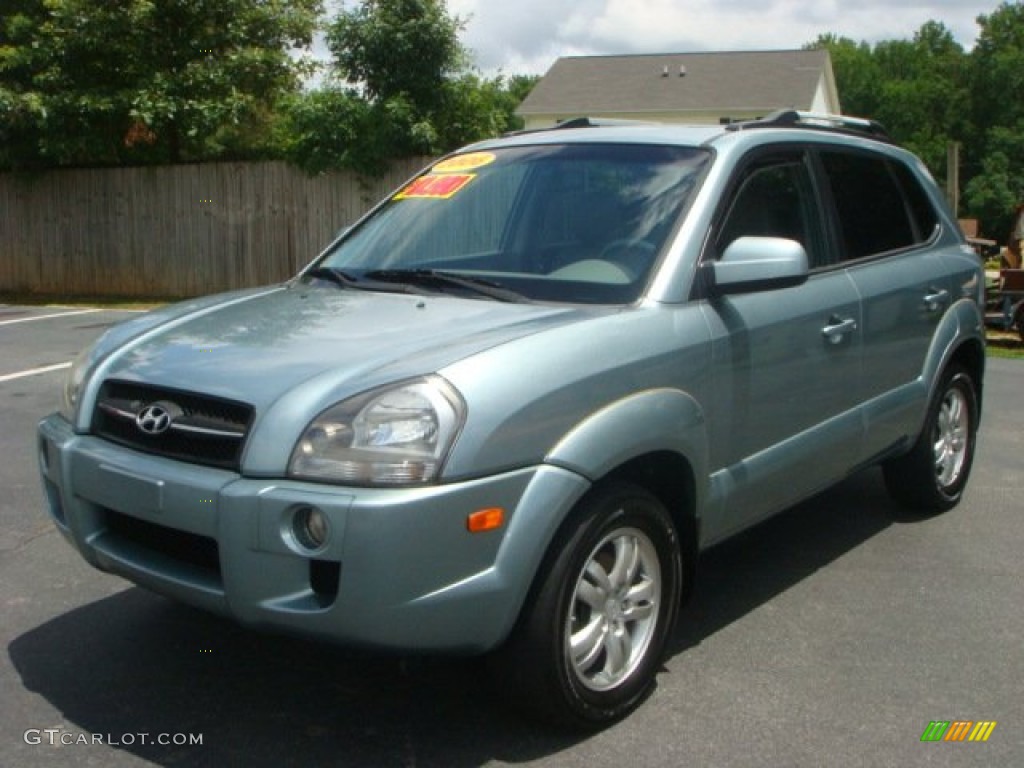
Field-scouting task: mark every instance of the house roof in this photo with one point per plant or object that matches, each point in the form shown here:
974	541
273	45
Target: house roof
723	82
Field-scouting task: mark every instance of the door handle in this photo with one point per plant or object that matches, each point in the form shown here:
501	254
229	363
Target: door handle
934	300
837	328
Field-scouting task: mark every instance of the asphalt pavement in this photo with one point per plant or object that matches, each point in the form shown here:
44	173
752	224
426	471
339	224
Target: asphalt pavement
832	635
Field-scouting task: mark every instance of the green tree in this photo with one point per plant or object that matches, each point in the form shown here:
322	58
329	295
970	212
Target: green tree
401	84
474	108
398	48
992	193
916	88
997	67
136	81
334	128
856	73
512	91
924	96
995	152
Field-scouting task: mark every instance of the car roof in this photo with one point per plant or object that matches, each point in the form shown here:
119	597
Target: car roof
638	133
790	123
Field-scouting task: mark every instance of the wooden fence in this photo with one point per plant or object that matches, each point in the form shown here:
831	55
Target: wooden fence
173	231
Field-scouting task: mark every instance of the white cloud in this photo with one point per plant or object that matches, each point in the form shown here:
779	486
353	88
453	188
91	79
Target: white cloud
527	36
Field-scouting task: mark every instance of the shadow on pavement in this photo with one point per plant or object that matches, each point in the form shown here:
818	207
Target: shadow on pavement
748	570
135	663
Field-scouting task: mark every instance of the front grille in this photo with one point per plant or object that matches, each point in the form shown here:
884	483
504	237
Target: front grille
198	428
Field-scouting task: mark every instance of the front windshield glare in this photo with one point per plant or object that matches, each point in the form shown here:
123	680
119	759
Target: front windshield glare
566	223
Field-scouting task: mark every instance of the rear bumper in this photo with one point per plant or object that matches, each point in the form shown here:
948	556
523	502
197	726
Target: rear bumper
399	569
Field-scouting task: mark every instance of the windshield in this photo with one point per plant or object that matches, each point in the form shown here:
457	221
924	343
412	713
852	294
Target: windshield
567	223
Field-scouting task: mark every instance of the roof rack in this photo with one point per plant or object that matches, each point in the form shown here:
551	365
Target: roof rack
581	122
596	122
792	118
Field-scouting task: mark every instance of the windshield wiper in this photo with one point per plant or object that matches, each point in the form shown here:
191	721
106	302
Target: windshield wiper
346	280
334	275
438	280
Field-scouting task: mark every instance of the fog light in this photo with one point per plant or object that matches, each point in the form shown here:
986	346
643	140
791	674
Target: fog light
310	527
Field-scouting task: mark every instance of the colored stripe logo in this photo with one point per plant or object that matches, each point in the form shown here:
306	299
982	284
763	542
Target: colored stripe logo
958	730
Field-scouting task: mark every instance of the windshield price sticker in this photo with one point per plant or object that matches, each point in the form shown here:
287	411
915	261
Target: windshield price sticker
468	162
438	186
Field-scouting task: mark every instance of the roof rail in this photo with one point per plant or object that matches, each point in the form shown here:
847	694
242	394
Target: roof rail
792	118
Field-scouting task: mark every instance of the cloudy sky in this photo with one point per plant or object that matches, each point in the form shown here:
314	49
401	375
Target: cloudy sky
526	36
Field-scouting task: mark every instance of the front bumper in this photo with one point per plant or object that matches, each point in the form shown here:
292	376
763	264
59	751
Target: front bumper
399	569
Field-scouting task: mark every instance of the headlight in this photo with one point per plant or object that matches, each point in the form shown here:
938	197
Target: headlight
73	384
398	435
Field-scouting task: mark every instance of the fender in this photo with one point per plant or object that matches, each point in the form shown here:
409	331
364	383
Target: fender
902	411
646	422
961	324
654	420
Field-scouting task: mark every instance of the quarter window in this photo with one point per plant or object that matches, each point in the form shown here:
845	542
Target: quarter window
921	211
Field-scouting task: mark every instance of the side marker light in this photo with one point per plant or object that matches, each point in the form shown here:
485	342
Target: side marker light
485	520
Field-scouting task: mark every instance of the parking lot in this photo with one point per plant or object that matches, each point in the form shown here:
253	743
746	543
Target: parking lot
831	635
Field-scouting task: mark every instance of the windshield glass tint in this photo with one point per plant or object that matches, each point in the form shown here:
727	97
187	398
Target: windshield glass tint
573	223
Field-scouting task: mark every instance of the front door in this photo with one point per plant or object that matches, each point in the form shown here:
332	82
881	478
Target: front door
786	363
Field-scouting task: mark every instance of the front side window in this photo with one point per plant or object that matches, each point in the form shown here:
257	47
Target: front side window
566	223
775	198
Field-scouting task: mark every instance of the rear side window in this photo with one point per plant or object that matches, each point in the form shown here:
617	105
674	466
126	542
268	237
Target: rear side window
880	205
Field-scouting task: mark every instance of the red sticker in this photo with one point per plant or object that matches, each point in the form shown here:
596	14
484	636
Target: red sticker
438	186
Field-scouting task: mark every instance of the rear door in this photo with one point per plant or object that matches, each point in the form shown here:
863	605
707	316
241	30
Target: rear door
886	226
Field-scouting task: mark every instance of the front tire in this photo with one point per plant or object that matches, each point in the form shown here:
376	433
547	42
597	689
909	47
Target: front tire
592	634
932	476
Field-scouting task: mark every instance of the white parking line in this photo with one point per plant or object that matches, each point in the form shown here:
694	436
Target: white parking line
34	372
47	316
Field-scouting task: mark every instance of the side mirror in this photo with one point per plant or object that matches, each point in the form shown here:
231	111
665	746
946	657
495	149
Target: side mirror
758	264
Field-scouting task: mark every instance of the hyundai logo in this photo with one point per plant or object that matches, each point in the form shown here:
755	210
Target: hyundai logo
156	418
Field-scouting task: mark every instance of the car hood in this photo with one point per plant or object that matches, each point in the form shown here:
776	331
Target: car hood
257	347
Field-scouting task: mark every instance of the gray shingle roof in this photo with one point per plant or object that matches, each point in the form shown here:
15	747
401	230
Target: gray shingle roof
749	80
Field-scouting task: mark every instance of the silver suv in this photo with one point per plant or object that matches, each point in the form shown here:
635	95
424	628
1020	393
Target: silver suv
505	411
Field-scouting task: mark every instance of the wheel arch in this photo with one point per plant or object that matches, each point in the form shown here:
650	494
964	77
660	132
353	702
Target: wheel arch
655	439
959	340
971	356
648	423
533	662
669	477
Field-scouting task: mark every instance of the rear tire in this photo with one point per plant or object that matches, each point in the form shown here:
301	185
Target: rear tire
592	633
932	476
